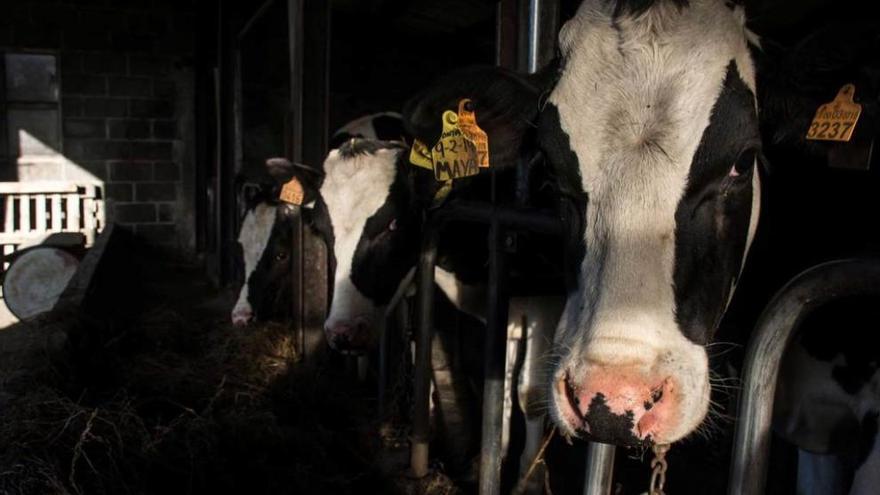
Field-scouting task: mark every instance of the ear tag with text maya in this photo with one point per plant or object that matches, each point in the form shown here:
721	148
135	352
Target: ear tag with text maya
454	155
837	120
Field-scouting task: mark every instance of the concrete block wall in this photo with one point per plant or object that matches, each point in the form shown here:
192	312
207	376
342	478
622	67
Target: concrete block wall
126	79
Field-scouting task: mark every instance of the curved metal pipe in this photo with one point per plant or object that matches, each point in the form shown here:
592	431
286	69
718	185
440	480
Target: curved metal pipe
773	332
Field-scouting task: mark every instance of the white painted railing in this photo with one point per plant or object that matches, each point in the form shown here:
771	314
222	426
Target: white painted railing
33	211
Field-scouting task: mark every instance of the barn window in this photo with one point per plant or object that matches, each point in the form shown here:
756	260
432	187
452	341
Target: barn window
29	109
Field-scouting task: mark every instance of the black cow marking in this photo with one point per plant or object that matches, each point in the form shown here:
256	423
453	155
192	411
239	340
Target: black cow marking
616	428
705	272
358	146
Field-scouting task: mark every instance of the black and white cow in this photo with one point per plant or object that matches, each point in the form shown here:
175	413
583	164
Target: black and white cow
657	142
264	236
265	240
372	203
828	399
653	125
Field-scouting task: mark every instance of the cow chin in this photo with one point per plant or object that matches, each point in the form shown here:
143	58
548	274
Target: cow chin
629	392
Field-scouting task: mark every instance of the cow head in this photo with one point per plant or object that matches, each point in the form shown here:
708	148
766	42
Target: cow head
372	201
265	242
653	124
366	217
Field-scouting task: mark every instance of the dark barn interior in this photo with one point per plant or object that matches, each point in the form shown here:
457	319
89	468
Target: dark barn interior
134	139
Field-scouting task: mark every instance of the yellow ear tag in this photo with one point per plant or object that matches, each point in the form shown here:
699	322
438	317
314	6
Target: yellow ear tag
837	120
454	156
420	155
292	192
467	122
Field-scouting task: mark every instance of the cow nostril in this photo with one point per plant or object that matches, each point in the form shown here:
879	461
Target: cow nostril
657	395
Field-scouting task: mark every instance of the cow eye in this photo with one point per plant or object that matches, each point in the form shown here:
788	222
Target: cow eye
281	256
393	225
743	165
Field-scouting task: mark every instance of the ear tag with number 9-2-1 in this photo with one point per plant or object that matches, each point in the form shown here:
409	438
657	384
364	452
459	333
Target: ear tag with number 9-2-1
837	120
454	156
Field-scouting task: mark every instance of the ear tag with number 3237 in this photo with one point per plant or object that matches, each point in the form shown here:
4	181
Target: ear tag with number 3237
837	120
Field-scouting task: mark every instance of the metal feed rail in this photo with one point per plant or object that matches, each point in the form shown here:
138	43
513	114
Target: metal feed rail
773	332
500	219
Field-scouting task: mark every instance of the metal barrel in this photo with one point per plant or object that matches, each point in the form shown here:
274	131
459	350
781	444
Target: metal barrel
773	332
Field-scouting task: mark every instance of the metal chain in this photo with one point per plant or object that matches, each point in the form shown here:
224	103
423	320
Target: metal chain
658	467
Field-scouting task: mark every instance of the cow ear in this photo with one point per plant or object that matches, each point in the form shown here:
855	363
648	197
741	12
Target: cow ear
794	81
280	169
505	105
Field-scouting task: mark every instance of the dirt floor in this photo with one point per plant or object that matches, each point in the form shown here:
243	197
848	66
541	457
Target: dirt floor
166	397
156	393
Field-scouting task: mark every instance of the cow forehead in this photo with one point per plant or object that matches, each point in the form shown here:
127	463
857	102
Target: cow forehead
354	188
637	92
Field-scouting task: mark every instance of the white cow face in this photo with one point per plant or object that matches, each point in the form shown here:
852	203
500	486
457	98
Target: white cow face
372	234
654	122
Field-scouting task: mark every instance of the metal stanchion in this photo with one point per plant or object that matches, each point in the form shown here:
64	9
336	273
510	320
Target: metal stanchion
494	370
599	469
773	332
421	432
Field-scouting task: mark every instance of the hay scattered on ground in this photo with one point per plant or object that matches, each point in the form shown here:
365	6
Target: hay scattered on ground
176	402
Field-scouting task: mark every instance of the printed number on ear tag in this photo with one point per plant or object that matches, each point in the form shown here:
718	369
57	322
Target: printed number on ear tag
467	122
292	192
837	120
454	155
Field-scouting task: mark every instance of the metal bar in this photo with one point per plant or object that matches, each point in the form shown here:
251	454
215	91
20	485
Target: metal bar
599	469
293	143
295	13
510	217
261	10
534	34
773	332
424	334
296	279
495	361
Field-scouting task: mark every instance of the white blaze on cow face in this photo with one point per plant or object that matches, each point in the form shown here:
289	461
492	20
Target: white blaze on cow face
256	229
354	189
635	98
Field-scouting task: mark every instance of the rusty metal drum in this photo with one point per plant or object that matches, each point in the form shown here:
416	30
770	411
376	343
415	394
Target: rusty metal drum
36	278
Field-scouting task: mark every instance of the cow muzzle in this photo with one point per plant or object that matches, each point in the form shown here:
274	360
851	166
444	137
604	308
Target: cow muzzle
242	317
621	405
349	337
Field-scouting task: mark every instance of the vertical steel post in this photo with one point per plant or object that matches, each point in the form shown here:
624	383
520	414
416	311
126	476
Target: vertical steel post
495	360
424	334
599	469
773	332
